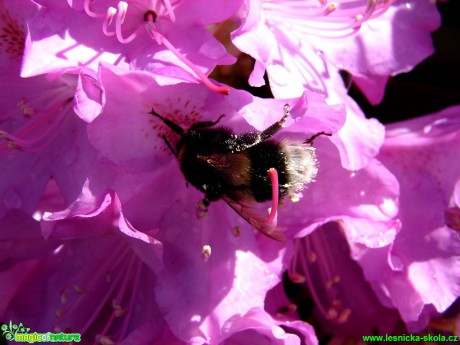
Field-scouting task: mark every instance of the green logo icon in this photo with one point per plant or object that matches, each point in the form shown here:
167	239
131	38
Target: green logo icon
20	334
12	330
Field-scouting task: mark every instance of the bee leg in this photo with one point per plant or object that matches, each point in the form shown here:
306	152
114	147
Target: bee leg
202	207
174	126
273	129
314	136
246	141
206	123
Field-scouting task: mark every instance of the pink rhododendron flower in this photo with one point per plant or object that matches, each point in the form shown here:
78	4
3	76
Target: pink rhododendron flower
136	34
302	45
41	135
305	43
103	236
330	197
257	327
344	302
185	104
412	269
418	273
87	271
133	289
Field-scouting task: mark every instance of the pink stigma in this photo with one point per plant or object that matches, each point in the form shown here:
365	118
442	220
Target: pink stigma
273	175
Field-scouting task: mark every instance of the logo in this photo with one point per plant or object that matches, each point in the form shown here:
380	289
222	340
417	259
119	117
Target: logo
20	334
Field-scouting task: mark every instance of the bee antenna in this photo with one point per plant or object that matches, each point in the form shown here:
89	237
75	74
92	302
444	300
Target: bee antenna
313	137
174	126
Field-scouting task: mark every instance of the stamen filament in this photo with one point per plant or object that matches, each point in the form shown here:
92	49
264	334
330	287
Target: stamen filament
150	16
170	10
111	13
58	113
89	12
311	287
116	256
225	90
120	334
320	275
119	296
329	19
121	15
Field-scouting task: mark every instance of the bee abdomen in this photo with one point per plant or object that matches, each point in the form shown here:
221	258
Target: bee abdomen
302	166
264	156
295	162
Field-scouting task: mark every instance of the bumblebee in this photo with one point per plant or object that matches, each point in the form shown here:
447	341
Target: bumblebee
244	170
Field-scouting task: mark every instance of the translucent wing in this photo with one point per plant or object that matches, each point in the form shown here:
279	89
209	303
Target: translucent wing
251	212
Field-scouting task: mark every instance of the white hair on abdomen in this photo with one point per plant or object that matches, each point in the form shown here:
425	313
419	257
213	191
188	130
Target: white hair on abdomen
302	165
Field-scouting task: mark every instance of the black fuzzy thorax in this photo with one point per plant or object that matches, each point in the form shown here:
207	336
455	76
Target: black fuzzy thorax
203	143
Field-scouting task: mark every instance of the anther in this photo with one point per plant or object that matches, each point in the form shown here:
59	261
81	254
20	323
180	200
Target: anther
295	197
63	297
206	252
104	340
111	13
296	278
311	256
330	8
79	290
202	209
236	231
287	309
26	110
332	313
344	316
118	309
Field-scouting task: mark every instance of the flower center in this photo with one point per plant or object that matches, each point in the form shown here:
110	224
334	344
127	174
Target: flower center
38	125
110	290
12	35
313	265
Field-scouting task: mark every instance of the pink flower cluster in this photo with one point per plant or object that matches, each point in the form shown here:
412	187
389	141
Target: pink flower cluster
100	232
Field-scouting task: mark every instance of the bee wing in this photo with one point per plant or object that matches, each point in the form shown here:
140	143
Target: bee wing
234	168
250	212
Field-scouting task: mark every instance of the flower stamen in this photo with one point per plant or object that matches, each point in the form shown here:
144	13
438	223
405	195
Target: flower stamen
89	12
147	22
324	291
38	131
120	18
170	10
206	252
111	13
329	19
160	39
